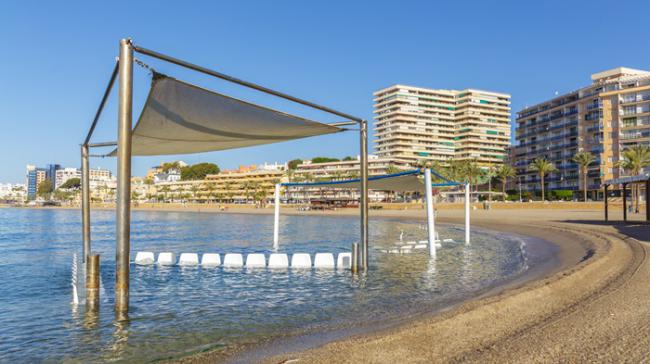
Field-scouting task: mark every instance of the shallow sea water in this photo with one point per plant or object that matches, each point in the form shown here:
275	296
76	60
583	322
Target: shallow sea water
177	311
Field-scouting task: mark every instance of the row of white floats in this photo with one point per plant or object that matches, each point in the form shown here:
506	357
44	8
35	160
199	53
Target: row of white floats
410	246
253	260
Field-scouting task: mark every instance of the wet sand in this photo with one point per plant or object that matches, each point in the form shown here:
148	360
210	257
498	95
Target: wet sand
593	307
589	310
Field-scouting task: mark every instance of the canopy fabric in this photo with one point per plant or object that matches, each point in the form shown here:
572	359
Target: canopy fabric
180	118
408	181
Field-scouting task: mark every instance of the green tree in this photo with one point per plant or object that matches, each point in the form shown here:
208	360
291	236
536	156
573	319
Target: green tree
294	163
504	172
44	189
324	160
348	158
542	167
72	183
198	171
584	159
166	167
634	160
391	169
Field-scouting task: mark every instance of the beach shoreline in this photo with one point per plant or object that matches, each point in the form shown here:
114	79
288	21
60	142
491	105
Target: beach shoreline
570	253
590	307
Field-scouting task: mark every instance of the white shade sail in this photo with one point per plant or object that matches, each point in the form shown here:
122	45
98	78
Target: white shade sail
180	118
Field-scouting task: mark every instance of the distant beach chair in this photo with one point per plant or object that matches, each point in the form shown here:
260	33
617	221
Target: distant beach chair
324	260
301	260
144	258
233	260
211	260
166	258
255	260
344	261
278	260
188	259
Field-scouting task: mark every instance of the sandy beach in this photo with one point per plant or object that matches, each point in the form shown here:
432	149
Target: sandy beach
591	307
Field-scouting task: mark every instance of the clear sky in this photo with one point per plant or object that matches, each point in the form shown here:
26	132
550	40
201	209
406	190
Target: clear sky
56	58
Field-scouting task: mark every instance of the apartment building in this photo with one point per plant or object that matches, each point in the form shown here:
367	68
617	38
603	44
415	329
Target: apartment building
419	124
603	118
308	171
231	186
34	176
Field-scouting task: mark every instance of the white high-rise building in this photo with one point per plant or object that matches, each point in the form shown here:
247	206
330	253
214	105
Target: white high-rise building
419	124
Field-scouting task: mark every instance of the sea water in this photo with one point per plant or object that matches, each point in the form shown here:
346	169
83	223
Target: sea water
177	311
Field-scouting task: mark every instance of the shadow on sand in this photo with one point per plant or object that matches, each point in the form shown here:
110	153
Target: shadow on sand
639	230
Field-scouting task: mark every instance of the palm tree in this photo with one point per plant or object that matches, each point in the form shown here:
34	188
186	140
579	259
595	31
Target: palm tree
634	160
490	174
503	173
195	189
542	167
584	159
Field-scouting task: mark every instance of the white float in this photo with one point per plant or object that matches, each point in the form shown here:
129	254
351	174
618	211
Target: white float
278	260
211	260
301	260
166	258
233	260
324	260
255	260
344	261
420	246
188	259
144	258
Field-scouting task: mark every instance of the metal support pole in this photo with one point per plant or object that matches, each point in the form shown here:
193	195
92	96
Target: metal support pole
363	205
276	219
467	208
647	200
123	219
85	201
354	264
92	283
431	228
605	201
624	202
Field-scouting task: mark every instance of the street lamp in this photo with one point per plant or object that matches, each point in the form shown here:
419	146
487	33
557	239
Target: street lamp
519	177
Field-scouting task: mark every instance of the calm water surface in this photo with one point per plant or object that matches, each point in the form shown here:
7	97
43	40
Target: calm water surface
178	311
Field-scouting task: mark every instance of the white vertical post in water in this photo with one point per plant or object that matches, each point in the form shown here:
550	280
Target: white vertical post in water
467	207
430	222
276	219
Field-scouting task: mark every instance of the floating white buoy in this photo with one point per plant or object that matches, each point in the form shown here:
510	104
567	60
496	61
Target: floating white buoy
420	246
188	259
166	258
300	260
211	260
393	251
233	260
324	260
144	258
344	261
278	260
448	241
255	260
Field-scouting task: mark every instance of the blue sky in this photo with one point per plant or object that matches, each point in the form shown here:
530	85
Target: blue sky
57	57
